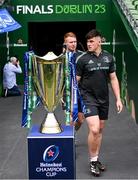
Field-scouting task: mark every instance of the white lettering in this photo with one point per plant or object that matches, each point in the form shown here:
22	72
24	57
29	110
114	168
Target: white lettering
37	10
98	68
24	9
28	9
50	9
18	9
51	174
50	164
51	169
38	169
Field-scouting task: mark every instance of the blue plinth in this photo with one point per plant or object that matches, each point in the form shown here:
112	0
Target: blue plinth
51	156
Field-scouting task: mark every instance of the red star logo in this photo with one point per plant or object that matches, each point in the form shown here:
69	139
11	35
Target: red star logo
50	153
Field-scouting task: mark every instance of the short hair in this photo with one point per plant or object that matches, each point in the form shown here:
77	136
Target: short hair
93	33
69	34
13	59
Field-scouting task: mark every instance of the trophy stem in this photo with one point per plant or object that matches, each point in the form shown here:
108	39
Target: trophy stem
50	125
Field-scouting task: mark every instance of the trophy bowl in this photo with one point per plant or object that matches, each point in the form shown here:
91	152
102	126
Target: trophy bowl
48	78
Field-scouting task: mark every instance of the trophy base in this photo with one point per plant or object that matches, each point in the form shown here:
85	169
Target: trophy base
50	125
50	130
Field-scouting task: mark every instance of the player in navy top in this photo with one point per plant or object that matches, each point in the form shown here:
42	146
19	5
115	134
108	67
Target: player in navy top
95	68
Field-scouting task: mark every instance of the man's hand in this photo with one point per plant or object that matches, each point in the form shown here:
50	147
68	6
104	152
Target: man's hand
119	106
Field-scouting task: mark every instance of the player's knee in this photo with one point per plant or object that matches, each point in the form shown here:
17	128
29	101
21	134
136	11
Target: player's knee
94	131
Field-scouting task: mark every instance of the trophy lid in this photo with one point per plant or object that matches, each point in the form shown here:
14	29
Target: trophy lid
49	56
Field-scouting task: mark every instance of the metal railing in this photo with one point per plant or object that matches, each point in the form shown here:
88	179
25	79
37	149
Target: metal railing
130	10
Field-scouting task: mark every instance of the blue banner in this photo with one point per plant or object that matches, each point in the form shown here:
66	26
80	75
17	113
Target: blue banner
74	94
30	99
74	87
7	23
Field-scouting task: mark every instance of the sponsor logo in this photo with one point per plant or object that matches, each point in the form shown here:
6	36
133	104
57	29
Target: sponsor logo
51	153
98	64
87	111
91	61
49	167
106	59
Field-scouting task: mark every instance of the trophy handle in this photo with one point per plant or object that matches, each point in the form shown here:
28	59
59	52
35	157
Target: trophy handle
50	124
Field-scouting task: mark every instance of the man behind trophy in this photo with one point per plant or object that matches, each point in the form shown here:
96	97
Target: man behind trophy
70	45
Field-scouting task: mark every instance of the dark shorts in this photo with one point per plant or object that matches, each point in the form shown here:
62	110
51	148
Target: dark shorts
93	110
